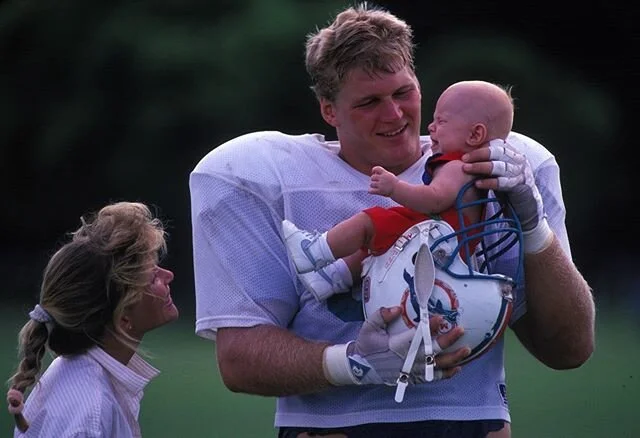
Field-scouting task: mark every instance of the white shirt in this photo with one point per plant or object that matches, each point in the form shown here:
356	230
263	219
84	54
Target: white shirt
91	395
240	193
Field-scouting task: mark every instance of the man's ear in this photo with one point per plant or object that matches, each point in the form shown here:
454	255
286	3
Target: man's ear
328	111
477	135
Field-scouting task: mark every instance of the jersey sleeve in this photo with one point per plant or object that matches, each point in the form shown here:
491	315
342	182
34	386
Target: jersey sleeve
241	270
547	177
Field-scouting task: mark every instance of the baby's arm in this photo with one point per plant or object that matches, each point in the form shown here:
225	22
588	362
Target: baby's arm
436	197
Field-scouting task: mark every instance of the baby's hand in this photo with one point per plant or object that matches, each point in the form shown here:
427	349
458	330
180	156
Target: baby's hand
382	181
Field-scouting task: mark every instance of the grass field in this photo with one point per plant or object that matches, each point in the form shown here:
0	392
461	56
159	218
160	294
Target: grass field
599	400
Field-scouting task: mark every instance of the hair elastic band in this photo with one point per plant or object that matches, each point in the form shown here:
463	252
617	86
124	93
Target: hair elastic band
40	315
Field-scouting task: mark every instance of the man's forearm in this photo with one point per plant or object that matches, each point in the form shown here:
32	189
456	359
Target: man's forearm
270	361
560	317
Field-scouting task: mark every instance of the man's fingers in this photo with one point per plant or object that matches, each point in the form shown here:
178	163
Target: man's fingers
434	324
377	320
448	339
488	184
387	315
477	155
440	374
505	153
480	168
507	176
450	360
447	361
498	160
401	342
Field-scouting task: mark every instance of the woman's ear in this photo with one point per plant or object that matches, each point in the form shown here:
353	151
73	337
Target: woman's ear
125	323
478	135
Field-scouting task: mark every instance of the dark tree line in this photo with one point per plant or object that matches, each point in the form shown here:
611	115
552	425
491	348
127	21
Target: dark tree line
116	100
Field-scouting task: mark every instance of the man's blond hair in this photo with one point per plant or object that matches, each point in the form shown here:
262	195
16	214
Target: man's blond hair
362	36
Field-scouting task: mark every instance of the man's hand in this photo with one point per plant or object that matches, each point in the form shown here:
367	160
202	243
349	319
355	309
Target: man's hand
513	176
382	181
376	357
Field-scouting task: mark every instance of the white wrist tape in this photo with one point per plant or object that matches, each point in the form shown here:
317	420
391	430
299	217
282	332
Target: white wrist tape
336	365
538	239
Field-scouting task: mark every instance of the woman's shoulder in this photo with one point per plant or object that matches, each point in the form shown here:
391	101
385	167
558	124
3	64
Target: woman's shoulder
78	376
72	396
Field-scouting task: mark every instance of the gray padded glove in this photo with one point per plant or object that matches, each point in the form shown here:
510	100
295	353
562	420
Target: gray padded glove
516	181
374	358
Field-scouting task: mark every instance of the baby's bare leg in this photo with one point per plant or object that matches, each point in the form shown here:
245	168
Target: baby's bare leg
350	235
354	263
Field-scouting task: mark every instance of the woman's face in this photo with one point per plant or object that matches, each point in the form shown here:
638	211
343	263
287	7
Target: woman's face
156	307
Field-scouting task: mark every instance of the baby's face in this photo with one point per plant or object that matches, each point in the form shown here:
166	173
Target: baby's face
448	131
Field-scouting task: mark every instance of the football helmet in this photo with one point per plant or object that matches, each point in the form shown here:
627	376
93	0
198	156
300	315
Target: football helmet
456	281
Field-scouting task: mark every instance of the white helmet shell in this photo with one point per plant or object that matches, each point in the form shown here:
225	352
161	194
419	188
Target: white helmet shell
481	303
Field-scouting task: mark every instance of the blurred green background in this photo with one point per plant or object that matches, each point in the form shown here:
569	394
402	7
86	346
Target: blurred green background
104	101
598	400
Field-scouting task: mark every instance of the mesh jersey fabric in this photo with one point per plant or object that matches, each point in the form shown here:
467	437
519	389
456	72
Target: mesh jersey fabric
240	193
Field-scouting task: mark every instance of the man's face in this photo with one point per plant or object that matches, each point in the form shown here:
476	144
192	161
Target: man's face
377	119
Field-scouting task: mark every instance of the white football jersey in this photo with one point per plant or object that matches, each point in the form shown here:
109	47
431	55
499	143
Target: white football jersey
240	193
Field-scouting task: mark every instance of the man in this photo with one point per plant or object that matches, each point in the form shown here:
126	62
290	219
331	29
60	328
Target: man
274	339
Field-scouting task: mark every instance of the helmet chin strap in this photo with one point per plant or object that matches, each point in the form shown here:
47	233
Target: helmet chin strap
424	278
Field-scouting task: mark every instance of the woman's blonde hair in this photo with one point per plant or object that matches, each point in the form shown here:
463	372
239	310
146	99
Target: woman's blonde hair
89	282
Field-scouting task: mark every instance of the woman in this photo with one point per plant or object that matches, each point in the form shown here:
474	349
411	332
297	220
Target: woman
101	292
